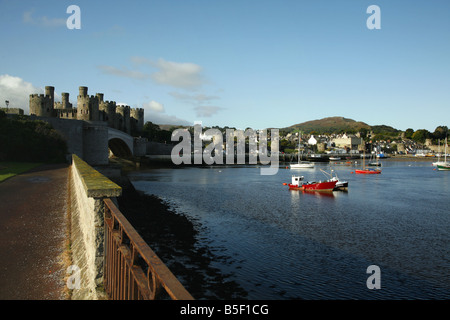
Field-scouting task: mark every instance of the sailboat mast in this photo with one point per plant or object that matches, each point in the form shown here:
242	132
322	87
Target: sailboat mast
445	157
299	140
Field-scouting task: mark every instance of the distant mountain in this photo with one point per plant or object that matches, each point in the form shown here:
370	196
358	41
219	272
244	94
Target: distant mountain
324	126
329	125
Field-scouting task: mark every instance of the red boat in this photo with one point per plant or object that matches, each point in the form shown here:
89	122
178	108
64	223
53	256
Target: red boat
368	171
327	185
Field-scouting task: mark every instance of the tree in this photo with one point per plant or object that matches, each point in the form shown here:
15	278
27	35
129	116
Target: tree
440	132
420	135
409	133
153	132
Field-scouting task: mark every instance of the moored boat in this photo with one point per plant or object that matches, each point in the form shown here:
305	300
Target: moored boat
368	171
317	158
444	166
374	164
297	184
302	164
340	185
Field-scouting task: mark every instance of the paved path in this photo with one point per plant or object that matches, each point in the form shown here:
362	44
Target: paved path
33	217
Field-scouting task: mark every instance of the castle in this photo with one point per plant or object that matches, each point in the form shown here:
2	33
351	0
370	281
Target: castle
89	108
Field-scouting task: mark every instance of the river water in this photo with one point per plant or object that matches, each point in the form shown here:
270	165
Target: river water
282	244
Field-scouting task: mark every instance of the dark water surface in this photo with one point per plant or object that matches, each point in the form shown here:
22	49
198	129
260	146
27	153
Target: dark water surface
283	244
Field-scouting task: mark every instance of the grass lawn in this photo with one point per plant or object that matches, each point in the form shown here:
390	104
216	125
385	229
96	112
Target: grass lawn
10	169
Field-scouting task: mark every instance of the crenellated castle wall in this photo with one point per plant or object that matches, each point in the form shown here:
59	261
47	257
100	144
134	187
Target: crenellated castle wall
89	108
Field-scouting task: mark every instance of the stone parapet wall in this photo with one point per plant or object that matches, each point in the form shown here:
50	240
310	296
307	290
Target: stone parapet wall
88	188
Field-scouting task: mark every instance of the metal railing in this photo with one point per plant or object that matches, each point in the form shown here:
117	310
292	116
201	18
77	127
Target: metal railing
132	270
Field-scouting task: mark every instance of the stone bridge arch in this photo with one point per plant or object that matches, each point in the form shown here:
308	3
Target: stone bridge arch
120	143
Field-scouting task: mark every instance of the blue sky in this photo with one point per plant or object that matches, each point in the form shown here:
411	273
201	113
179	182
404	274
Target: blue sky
240	63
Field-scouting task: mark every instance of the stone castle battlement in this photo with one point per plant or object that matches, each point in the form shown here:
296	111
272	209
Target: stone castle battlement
89	108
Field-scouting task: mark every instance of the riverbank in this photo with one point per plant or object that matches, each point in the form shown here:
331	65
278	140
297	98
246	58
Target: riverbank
411	158
174	238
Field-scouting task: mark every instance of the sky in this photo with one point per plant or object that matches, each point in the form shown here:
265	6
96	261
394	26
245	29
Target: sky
245	63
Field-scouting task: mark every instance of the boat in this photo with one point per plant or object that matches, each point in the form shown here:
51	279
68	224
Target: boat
334	158
375	163
317	158
340	185
298	184
446	165
439	162
443	167
301	164
366	170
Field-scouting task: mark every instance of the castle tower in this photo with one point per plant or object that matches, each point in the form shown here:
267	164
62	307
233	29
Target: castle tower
107	110
87	106
93	106
101	107
123	119
99	97
137	120
65	101
50	95
39	106
64	104
83	112
42	105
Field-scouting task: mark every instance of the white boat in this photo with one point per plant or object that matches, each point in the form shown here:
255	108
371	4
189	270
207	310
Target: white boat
439	162
302	164
375	163
445	166
335	158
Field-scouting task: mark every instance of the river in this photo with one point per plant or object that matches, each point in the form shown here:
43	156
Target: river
282	244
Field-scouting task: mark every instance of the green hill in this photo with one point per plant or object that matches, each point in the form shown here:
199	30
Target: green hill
330	125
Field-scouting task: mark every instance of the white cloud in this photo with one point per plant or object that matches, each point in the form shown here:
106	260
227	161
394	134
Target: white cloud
153	106
185	75
194	98
42	21
207	111
154	111
181	75
17	92
123	72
